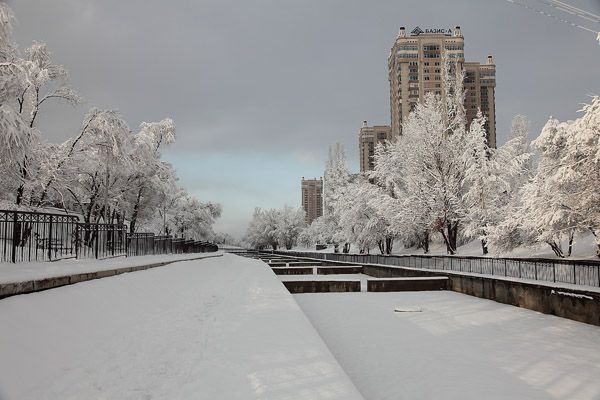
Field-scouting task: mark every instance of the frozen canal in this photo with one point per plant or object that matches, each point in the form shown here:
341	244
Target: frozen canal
457	347
217	329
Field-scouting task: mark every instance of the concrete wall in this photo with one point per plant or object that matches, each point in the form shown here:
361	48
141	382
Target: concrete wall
292	271
339	270
322	286
407	285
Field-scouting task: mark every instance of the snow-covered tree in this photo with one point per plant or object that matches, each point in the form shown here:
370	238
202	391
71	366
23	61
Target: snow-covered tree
564	195
262	230
289	225
275	227
360	218
336	178
516	161
483	182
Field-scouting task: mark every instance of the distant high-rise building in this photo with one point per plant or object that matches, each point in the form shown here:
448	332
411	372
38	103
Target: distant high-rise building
368	137
415	67
312	198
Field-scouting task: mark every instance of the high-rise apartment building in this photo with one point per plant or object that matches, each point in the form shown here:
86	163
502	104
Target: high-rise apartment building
415	67
368	137
312	198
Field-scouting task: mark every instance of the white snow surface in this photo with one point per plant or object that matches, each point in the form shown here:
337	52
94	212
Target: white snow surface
219	328
26	271
457	347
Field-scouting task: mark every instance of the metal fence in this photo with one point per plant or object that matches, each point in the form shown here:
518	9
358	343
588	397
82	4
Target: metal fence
145	243
30	236
101	240
578	272
35	236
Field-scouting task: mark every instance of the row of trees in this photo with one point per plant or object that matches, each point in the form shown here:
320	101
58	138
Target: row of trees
275	228
441	179
105	172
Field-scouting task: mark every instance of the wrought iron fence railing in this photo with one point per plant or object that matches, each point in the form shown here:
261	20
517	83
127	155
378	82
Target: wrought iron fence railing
578	272
38	236
32	236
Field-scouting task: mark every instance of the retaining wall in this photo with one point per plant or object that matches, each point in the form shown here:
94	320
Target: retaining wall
292	271
322	286
407	284
339	270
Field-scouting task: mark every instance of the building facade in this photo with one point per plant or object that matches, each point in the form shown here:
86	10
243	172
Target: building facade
368	138
415	67
312	198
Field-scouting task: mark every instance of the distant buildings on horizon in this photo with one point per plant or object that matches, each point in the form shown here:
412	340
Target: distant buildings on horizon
415	68
312	198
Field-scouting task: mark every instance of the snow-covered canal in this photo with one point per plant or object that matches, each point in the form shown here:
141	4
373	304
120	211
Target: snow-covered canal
457	347
221	328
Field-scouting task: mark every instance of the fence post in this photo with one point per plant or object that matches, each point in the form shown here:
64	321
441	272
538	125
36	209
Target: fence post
97	242
519	263
14	238
554	272
574	275
77	241
505	272
535	269
50	240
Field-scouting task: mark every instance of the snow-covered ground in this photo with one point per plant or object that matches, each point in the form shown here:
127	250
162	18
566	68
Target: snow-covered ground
26	271
221	328
457	347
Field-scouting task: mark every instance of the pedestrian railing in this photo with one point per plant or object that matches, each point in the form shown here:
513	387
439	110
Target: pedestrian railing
37	236
577	272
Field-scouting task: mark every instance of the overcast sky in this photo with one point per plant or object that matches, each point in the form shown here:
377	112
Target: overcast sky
259	89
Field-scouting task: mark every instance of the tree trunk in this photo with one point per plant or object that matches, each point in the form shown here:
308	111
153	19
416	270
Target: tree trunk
556	249
346	248
381	246
484	247
571	237
389	244
449	233
424	243
136	210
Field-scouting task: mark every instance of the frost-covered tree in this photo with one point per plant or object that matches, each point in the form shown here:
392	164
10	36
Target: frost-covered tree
146	180
192	218
564	195
262	230
289	225
516	161
275	227
360	218
483	184
335	180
